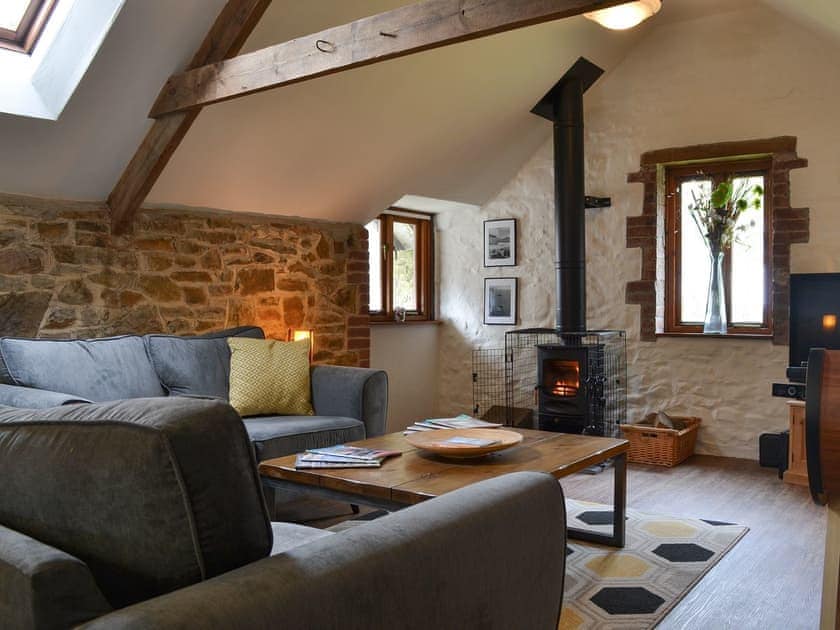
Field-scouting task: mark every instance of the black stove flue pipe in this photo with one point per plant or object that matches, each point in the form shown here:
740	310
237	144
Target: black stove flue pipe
563	105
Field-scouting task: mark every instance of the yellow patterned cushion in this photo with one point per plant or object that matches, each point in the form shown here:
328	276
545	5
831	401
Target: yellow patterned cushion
269	377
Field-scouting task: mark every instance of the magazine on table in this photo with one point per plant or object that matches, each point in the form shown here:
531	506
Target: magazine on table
417	427
353	453
462	421
301	463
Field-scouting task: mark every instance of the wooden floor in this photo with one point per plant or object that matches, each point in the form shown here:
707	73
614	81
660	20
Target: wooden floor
771	580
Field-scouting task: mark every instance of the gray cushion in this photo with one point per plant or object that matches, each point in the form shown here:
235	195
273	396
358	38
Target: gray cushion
112	368
275	436
15	396
196	366
290	535
44	587
152	494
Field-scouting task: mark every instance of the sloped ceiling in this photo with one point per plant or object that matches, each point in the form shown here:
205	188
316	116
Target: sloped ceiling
81	155
451	123
821	15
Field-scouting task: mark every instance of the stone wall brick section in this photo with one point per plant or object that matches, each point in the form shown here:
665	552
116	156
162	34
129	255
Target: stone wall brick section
358	266
649	264
357	278
641	233
790	225
63	274
53	231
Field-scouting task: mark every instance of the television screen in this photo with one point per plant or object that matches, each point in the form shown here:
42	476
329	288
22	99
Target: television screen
814	314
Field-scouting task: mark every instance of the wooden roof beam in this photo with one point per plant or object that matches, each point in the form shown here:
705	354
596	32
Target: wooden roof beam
403	31
226	37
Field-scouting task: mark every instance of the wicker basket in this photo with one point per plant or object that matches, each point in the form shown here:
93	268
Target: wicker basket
661	446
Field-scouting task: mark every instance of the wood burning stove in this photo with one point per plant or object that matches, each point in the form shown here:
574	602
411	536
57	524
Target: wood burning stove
570	388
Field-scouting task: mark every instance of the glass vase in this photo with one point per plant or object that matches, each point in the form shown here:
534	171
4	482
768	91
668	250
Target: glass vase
715	321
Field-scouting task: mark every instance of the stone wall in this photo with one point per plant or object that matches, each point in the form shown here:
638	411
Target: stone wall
185	271
666	93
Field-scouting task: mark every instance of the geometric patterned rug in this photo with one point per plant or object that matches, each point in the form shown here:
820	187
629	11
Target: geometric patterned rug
635	587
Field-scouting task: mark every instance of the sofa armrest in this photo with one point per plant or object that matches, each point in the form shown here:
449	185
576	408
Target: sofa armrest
491	555
43	587
351	392
30	398
152	494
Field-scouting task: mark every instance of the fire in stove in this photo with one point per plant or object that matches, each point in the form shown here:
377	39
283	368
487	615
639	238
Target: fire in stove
566	376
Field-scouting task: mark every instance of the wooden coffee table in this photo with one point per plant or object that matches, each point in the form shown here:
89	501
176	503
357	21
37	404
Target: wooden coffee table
416	475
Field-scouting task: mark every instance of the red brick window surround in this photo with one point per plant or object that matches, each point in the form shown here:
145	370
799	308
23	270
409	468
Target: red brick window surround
649	232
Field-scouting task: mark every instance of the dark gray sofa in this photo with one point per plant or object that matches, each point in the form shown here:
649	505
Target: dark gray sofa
147	513
350	403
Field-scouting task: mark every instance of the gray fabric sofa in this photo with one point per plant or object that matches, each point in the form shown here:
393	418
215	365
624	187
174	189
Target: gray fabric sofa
350	403
147	513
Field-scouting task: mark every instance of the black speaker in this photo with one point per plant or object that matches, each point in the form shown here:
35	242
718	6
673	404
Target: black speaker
797	374
773	451
789	390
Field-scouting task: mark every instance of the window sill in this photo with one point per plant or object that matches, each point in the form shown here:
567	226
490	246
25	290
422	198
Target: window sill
699	335
412	322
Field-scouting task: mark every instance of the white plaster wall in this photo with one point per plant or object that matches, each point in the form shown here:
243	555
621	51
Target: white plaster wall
409	355
748	73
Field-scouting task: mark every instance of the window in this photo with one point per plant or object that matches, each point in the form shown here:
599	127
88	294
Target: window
21	23
401	266
748	272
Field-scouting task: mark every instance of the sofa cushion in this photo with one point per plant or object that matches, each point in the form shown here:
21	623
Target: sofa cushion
111	368
275	436
290	535
44	587
176	361
15	396
152	494
270	377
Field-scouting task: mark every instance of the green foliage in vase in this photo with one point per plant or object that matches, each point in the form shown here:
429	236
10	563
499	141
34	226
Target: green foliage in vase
716	211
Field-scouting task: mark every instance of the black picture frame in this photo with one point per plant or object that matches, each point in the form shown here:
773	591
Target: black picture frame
500	243
500	301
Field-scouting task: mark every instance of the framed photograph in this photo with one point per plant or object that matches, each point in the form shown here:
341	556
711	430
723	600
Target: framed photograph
500	243
500	301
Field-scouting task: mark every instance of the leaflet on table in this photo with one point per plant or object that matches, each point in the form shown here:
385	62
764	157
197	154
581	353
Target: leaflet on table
459	422
301	463
468	441
417	427
354	452
318	457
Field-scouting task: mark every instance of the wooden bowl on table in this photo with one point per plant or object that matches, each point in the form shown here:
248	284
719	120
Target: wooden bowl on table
437	441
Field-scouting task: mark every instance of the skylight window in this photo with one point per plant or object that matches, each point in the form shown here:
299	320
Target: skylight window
21	23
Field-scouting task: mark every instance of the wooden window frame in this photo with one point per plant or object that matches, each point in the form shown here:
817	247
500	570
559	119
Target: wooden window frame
424	264
31	26
718	171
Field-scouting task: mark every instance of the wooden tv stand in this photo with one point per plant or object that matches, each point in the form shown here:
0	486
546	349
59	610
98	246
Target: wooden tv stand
797	472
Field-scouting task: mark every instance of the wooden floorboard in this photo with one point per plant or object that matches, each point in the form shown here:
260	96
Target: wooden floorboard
771	580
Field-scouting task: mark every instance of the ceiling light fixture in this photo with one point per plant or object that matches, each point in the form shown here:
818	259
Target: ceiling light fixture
625	16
